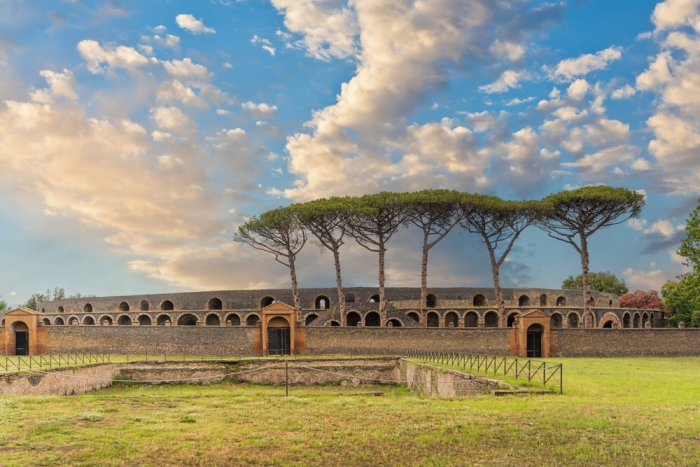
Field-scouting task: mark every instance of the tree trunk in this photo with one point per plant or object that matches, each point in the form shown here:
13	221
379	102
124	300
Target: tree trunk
424	287
497	285
587	313
382	301
295	289
339	283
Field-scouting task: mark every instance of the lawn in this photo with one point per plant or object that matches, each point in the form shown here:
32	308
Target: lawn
623	411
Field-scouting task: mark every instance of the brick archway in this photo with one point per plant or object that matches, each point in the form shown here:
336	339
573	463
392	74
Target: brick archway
24	320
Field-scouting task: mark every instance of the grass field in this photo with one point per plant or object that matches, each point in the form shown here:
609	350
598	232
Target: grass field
626	411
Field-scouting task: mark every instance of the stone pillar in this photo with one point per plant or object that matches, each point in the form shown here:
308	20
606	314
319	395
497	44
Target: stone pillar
681	325
647	325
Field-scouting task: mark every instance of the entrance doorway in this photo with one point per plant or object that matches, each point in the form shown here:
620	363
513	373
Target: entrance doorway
534	341
21	339
278	341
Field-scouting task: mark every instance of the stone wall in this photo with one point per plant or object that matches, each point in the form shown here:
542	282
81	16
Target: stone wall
444	383
626	342
59	381
388	341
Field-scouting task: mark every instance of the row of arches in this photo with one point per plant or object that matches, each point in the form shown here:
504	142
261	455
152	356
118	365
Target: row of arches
187	319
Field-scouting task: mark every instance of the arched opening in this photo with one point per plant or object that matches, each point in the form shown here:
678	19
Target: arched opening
46	322
561	301
433	320
105	321
144	320
471	320
651	319
414	316
266	301
21	338
145	306
479	300
592	301
322	302
491	319
524	300
162	320
374	298
335	323
645	318
451	320
555	321
350	298
572	320
608	324
234	319
431	301
89	321
213	320
310	319
394	323
252	320
353	318
626	320
511	319
124	321
123	306
167	305
534	341
636	320
60	309
215	304
58	322
372	319
187	320
543	300
87	308
610	304
278	336
73	321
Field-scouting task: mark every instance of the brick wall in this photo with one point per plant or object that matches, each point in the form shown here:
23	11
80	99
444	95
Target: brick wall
627	342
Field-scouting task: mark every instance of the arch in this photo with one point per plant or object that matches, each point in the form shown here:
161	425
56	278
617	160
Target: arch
322	302
572	319
543	300
2	323
19	326
561	301
491	319
414	316
433	320
46	321
608	324
163	319
43	310
123	306
212	319
124	320
431	301
73	321
395	323
167	305
373	319
58	322
234	319
524	300
374	298
278	322
510	318
534	340
88	321
334	323
591	301
267	301
635	320
610	303
651	318
310	318
353	318
187	320
452	318
611	318
105	319
144	320
350	298
556	320
479	300
626	320
252	320
645	318
215	304
471	320
60	310
145	305
87	308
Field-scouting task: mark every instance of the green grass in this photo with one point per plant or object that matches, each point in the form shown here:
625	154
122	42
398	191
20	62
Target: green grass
624	411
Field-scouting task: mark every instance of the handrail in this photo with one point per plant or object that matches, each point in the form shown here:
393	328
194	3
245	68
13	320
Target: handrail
23	362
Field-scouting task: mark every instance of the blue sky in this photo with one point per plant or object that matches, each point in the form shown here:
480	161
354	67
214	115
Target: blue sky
136	136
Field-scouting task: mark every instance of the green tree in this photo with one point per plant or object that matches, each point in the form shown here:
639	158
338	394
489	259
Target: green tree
600	281
573	216
38	298
500	223
3	305
682	299
277	232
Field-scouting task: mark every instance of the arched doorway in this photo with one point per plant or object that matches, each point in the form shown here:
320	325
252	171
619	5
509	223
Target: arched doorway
21	338
354	318
310	319
187	320
278	336
394	323
555	320
524	300
451	320
322	302
372	319
491	319
471	320
431	301
534	341
433	320
626	320
608	324
572	319
511	319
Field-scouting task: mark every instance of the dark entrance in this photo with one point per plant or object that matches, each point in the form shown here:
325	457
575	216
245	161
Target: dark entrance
21	342
278	341
534	341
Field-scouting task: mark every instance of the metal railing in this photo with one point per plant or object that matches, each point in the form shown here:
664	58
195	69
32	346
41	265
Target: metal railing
534	371
26	362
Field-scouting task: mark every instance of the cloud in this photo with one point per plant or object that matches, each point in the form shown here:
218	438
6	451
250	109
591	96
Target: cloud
172	118
186	70
222	112
60	85
160	29
269	49
259	110
193	25
508	50
570	68
672	14
517	101
593	165
624	92
646	280
169	40
508	80
637	224
175	91
114	56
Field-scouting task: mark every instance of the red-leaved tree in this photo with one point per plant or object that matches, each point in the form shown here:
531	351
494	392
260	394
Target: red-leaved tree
643	300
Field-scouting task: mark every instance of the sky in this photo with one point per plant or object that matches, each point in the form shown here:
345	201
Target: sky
136	136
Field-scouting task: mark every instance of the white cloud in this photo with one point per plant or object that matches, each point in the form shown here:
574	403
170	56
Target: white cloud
517	101
172	118
12	294
663	227
186	70
260	40
508	79
269	49
637	224
259	110
646	280
624	92
570	68
674	13
593	165
578	89
509	50
60	85
160	29
222	112
175	91
193	25
228	66
115	57
640	164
